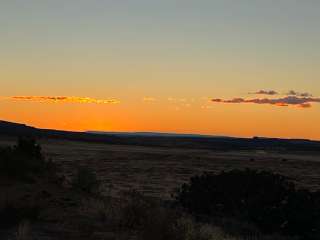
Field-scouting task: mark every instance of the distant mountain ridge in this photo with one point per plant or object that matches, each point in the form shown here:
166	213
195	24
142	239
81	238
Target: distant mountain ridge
193	141
154	134
15	128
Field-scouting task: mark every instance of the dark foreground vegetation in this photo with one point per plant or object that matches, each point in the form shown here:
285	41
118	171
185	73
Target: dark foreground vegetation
37	202
268	201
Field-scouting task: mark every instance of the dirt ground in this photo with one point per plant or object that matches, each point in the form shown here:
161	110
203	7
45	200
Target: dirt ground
157	171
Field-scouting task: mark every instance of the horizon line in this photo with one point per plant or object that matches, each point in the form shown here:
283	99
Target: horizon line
162	132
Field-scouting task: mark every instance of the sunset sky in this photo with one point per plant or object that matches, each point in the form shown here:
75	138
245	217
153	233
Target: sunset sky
221	67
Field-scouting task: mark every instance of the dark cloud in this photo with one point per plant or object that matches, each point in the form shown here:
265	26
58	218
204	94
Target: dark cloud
289	93
304	102
299	94
265	92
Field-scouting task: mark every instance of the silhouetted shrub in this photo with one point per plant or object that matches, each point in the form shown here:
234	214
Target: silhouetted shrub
23	161
268	200
135	209
85	180
22	168
152	220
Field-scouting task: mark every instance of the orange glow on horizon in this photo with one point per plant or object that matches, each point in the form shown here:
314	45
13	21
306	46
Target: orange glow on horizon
200	117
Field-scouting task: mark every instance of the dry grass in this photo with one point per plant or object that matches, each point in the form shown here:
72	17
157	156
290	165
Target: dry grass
135	216
158	171
24	231
102	210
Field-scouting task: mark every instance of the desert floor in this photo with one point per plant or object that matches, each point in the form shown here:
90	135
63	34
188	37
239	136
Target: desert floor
157	171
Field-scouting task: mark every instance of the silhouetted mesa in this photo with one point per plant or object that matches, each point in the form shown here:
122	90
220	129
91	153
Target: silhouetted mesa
165	139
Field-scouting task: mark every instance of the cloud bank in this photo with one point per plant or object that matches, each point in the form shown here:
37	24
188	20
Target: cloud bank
303	102
63	99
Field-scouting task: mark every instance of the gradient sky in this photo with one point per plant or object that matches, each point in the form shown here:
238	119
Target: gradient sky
163	61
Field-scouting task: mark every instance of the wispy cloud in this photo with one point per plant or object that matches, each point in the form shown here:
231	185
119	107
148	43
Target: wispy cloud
177	100
303	102
265	92
149	99
62	99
